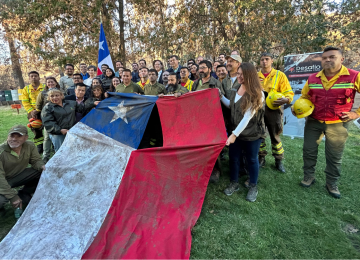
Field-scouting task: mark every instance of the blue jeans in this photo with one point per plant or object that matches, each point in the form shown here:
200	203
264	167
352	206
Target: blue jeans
57	141
251	149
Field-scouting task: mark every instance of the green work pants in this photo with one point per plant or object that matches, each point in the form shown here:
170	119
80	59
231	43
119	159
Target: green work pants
335	138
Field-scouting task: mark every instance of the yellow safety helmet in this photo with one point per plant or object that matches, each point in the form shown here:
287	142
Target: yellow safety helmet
273	95
303	108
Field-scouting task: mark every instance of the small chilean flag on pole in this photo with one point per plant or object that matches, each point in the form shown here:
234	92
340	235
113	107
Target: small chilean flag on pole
104	53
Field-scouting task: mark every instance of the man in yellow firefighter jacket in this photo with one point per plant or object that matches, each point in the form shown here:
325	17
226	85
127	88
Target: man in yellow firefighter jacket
332	93
274	81
28	98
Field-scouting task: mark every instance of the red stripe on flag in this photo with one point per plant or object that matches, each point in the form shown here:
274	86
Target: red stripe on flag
158	202
193	118
162	191
99	72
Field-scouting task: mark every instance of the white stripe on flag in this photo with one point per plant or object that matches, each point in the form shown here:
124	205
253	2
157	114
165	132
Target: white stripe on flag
73	197
107	61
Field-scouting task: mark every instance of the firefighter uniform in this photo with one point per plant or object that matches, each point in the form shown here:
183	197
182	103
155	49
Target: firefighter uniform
28	98
276	81
330	99
189	83
142	85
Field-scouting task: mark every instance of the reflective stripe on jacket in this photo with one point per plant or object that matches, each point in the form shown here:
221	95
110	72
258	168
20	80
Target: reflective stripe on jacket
329	104
29	96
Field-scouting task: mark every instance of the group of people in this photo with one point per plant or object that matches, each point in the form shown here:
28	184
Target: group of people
251	100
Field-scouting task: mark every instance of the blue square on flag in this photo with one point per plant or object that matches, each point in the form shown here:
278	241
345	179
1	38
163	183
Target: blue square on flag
123	117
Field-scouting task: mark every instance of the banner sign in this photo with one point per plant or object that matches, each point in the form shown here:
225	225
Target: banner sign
298	68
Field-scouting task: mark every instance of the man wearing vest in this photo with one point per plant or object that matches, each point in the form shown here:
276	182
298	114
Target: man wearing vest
332	92
274	80
28	97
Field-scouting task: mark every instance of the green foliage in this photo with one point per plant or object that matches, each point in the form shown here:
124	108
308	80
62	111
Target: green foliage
67	30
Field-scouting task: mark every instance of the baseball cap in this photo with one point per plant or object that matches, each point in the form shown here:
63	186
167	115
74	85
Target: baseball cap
235	57
20	129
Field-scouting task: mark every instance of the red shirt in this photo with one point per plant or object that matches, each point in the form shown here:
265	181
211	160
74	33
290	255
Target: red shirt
265	75
143	83
183	83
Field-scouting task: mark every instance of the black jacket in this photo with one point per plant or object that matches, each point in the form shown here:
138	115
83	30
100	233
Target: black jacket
106	83
55	117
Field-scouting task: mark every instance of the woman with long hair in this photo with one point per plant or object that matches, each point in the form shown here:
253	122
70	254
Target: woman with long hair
106	81
96	82
51	83
97	94
247	106
159	67
194	72
115	81
41	100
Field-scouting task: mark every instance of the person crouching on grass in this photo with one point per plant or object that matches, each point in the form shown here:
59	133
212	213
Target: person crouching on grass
59	115
247	107
15	156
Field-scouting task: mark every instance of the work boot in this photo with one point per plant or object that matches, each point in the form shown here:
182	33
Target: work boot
279	165
307	181
252	193
262	161
40	148
231	188
215	176
333	190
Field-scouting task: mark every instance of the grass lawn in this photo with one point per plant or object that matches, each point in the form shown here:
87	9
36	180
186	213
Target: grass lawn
286	221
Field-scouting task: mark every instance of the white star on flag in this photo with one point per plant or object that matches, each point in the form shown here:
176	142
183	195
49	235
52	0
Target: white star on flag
120	112
101	45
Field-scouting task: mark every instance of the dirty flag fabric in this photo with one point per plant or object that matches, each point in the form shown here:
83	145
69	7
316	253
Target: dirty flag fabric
102	198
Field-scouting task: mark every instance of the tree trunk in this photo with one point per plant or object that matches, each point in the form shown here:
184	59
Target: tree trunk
15	61
122	54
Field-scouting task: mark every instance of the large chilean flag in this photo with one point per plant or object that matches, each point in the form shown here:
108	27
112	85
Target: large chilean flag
102	198
104	56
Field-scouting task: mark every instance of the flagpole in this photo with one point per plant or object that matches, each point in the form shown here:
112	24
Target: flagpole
98	73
